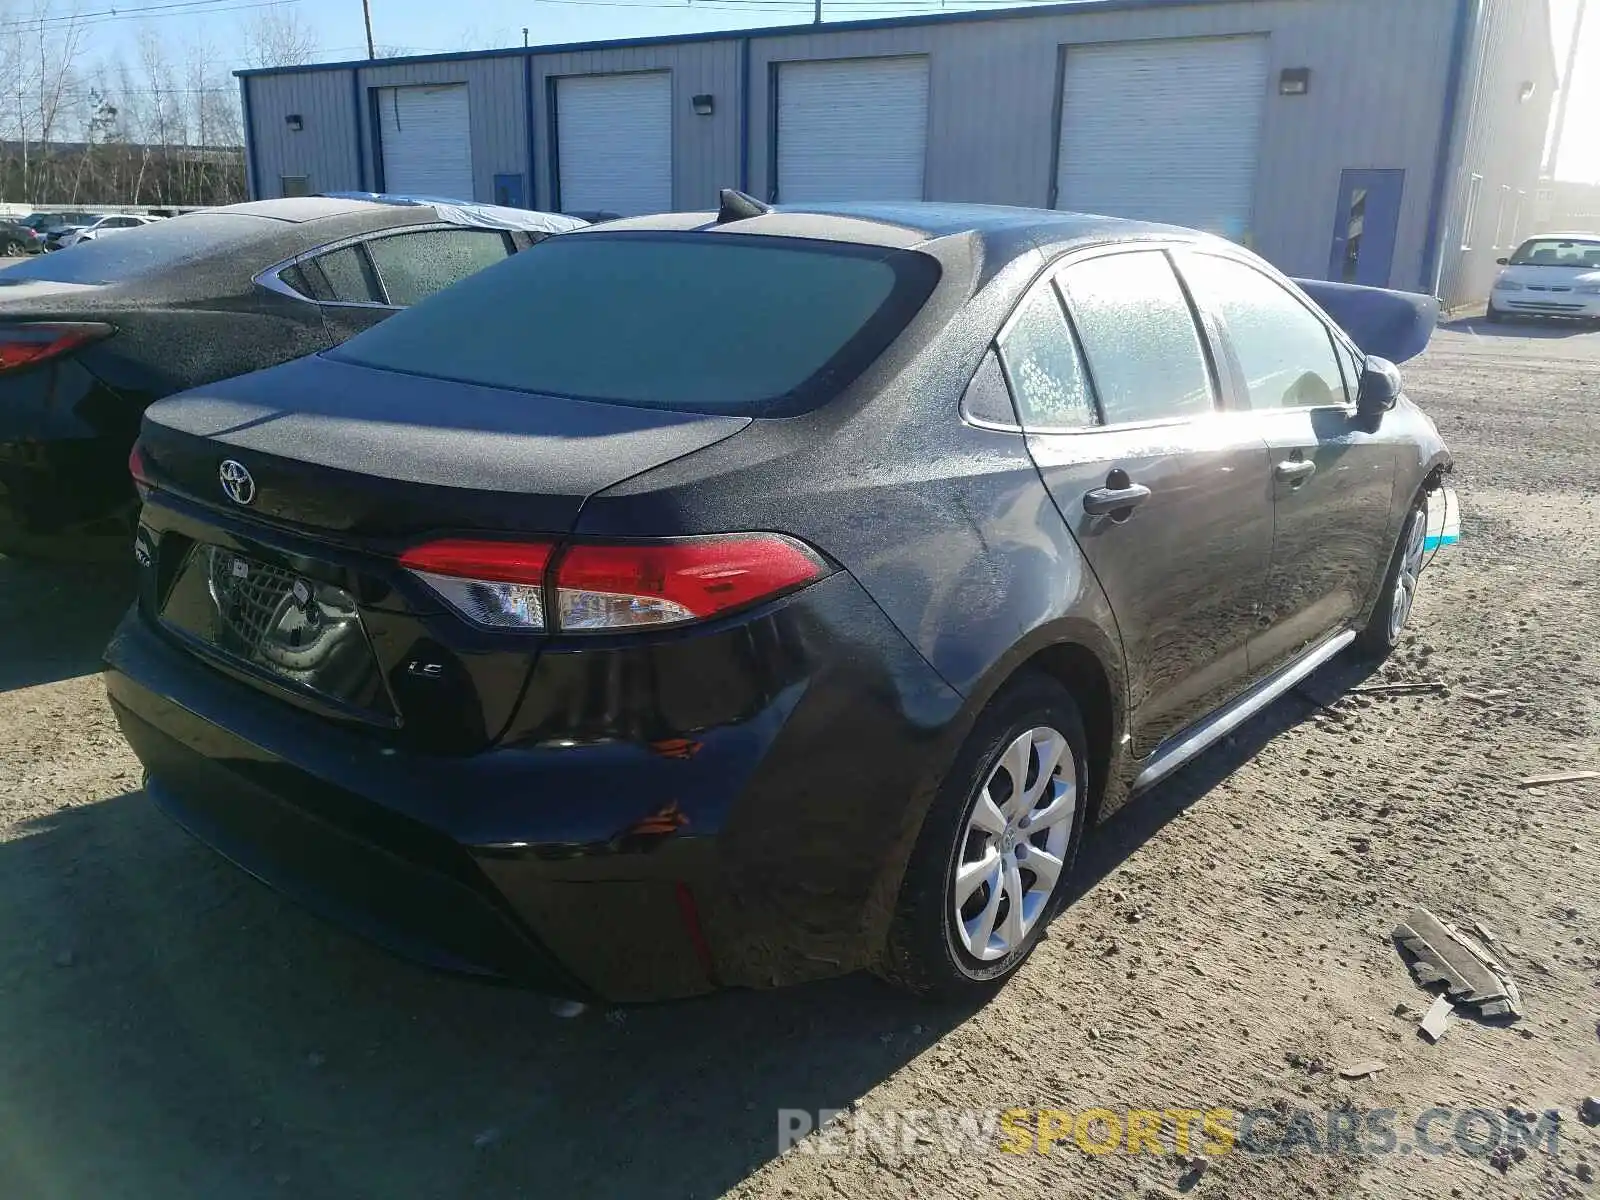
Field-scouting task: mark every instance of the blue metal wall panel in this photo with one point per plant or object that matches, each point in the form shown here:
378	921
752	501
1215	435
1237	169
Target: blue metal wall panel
1376	101
1500	136
705	150
498	109
323	149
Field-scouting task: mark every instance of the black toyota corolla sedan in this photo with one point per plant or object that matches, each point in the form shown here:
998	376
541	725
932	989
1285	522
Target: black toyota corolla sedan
737	598
90	336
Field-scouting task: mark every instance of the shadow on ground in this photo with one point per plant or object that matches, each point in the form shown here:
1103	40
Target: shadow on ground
1525	328
1108	846
56	618
174	1029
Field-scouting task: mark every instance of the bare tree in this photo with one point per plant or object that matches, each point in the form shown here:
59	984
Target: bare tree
160	125
39	51
278	37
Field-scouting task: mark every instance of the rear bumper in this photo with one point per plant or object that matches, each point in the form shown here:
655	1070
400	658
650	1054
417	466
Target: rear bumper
64	443
760	852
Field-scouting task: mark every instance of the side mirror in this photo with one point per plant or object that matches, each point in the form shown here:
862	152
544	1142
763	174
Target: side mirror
1380	387
1504	262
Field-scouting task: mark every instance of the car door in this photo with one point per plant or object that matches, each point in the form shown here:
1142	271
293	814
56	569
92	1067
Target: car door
1333	473
1168	497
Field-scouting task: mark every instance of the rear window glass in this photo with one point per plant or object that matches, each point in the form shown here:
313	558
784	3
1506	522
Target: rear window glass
720	323
146	251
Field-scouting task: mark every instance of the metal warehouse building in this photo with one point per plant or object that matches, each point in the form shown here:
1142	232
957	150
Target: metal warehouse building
1393	142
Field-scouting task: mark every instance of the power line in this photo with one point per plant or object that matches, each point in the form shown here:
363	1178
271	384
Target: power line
885	6
174	8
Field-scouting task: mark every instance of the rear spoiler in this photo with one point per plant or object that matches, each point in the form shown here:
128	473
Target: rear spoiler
1388	324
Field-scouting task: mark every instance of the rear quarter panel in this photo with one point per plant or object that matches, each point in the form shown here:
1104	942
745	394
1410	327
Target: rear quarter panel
946	525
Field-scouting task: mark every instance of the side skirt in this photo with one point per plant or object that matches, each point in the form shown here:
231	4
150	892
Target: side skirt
1181	747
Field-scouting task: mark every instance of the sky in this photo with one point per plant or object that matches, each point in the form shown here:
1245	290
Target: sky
425	26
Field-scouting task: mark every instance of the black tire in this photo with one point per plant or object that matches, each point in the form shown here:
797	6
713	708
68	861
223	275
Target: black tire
1381	634
1494	315
925	953
13	249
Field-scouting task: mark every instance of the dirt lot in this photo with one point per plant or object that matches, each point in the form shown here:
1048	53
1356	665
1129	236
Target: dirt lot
169	1028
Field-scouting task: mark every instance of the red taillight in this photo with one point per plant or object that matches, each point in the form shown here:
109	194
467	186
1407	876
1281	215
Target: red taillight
666	583
499	584
498	562
34	342
600	588
138	469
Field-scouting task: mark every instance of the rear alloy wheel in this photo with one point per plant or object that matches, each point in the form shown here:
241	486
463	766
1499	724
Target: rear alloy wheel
996	848
1011	857
1393	610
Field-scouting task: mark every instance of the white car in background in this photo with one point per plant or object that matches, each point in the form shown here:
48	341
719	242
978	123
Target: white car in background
116	223
1552	275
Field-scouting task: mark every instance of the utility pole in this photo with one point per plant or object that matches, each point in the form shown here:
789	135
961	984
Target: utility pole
366	12
817	20
524	37
1566	91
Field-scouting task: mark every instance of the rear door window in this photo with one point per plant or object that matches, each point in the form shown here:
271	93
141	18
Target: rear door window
413	266
300	281
1043	367
1139	337
350	277
699	322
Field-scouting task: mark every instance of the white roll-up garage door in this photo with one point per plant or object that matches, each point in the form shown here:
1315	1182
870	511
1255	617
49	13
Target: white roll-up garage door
1164	130
614	143
426	135
852	129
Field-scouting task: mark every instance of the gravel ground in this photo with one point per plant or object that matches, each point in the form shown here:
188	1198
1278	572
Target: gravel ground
170	1028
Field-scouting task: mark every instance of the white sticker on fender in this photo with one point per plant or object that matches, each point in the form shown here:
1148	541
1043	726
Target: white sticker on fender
1444	519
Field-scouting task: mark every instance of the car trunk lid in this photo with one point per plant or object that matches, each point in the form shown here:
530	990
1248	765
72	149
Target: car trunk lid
298	590
354	450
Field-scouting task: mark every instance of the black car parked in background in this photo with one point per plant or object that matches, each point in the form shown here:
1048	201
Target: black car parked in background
732	599
25	235
91	335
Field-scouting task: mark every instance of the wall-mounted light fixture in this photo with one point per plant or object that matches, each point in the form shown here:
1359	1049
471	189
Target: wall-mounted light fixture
1294	81
704	105
1527	91
295	122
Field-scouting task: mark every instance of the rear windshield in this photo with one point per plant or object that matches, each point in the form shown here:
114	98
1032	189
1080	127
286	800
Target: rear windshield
1557	252
717	323
147	250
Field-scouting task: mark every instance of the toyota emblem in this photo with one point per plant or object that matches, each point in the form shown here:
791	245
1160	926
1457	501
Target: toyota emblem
237	482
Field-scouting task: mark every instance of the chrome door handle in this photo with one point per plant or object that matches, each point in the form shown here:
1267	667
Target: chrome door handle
1296	470
1109	500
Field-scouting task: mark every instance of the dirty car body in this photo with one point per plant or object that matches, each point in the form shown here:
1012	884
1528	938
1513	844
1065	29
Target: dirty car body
89	337
503	751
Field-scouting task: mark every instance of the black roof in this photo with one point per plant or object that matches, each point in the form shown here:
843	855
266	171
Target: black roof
911	223
299	209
